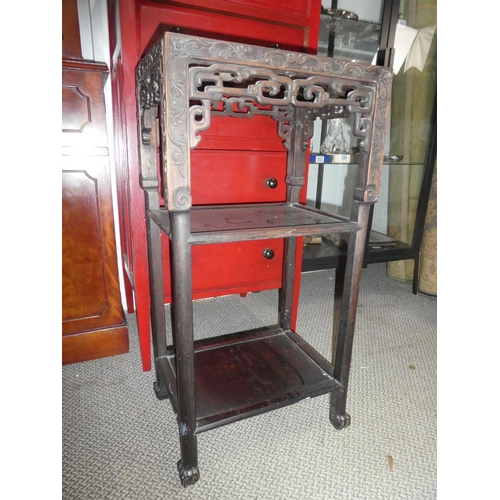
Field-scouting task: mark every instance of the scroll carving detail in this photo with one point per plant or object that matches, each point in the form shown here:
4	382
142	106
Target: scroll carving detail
198	77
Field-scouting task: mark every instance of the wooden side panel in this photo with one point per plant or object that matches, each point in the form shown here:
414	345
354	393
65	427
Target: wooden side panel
94	345
83	110
93	324
84	274
91	292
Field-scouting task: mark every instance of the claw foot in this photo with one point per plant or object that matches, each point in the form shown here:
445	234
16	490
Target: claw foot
340	421
187	476
160	390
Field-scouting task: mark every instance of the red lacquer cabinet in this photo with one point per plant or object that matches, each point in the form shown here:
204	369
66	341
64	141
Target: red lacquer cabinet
252	160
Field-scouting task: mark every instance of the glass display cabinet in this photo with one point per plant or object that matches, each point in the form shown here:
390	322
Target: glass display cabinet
374	32
341	31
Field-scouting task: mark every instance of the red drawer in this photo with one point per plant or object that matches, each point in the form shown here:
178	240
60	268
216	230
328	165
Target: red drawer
227	268
237	177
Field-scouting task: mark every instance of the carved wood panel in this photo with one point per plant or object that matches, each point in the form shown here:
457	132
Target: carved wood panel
189	78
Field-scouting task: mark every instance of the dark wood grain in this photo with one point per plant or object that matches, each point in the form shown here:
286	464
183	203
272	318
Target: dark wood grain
248	373
236	380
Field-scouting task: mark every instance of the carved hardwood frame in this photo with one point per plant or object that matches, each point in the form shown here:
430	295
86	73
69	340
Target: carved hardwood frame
190	78
181	82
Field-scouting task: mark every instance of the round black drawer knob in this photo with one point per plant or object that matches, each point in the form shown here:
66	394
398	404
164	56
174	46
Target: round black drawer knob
271	183
268	253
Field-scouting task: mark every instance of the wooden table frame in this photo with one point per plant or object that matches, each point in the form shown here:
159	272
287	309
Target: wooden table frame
181	82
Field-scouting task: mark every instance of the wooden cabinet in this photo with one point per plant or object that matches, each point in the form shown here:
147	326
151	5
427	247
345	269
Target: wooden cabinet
250	158
93	324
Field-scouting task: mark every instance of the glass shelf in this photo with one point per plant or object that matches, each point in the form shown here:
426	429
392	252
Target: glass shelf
353	39
316	159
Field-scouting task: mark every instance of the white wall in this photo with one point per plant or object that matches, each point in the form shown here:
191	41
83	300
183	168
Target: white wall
94	34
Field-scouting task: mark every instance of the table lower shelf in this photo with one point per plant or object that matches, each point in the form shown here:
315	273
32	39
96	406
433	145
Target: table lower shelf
251	372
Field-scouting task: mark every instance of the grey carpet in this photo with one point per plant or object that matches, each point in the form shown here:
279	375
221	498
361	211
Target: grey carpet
120	442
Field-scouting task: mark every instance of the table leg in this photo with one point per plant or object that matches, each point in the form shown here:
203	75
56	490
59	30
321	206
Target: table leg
184	345
338	415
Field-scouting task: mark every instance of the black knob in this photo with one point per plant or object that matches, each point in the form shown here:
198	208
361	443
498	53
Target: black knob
276	46
271	183
268	253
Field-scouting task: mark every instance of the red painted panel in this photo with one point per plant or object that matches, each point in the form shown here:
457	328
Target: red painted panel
155	20
256	134
298	12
